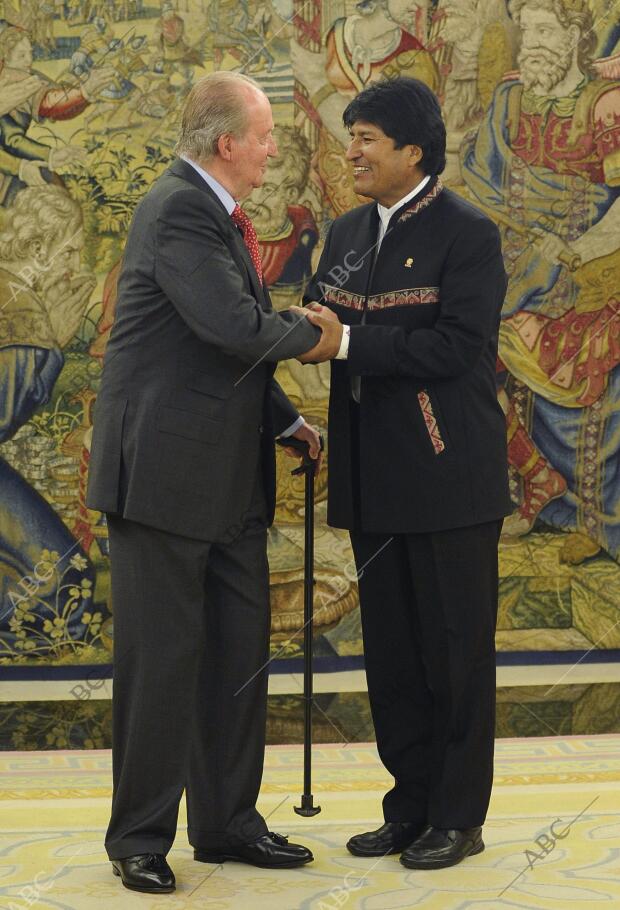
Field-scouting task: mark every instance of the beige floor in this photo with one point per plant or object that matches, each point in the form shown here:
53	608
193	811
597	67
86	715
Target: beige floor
54	808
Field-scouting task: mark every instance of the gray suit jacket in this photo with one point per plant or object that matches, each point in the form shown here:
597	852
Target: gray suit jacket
188	408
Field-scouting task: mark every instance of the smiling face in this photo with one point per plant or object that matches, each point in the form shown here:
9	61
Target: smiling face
381	171
248	154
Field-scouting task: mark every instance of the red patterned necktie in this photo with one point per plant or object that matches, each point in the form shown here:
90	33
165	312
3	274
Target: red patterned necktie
249	237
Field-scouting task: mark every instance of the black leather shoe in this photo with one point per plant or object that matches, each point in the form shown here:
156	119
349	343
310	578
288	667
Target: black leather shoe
271	851
145	872
437	848
392	837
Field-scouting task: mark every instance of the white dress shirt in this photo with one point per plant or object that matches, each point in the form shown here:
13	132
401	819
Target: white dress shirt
384	219
220	191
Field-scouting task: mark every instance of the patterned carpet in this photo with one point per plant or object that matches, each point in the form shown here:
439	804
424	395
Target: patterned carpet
553	836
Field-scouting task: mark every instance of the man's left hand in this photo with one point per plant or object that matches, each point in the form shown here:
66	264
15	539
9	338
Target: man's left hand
323	311
312	437
329	343
553	248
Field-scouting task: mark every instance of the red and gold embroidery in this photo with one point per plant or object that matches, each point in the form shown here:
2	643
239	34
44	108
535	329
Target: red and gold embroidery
431	422
404	297
422	203
342	298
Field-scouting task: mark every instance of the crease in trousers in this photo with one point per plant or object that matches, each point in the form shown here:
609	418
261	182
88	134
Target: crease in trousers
191	629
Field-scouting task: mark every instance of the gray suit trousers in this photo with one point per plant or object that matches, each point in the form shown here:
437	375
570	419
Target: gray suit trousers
191	625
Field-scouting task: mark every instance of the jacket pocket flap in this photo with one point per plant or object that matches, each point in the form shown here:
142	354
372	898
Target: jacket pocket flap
209	384
189	424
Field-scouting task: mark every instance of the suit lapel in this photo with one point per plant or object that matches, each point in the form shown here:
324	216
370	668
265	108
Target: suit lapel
268	305
230	232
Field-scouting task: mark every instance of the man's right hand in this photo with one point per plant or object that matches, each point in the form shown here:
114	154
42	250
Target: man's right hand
30	173
97	80
553	248
67	155
66	303
328	344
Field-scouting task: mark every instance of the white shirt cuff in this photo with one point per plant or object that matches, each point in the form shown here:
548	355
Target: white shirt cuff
293	427
343	350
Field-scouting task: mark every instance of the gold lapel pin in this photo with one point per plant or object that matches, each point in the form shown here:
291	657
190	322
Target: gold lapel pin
408	262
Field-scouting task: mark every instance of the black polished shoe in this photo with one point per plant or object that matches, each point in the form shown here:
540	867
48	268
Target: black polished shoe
392	837
437	848
145	872
271	851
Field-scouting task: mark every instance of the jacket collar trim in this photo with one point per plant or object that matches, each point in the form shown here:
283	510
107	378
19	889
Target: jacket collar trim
432	191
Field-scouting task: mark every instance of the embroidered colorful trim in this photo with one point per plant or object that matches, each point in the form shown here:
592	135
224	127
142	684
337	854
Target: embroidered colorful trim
342	298
423	203
404	297
431	422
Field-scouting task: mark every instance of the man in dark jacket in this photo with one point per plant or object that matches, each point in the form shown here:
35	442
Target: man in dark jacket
417	465
182	462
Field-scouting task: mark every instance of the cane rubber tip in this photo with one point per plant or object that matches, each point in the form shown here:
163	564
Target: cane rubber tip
307	808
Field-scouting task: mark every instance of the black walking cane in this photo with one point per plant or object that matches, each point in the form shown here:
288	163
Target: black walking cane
307	467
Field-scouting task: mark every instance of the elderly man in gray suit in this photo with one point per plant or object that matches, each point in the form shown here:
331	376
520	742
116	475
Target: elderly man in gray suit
182	463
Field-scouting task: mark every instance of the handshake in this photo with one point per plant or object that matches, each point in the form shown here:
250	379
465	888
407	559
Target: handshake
331	333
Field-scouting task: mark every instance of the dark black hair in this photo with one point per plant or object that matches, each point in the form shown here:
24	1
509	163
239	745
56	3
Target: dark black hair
408	112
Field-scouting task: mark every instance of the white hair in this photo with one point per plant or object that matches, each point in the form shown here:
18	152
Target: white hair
215	106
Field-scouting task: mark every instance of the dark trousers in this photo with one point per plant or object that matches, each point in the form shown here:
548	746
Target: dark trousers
429	609
191	627
429	605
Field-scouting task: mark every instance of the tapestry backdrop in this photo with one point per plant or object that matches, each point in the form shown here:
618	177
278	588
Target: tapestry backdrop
90	98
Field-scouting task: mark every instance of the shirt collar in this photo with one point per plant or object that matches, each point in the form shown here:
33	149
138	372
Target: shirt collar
385	214
220	191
